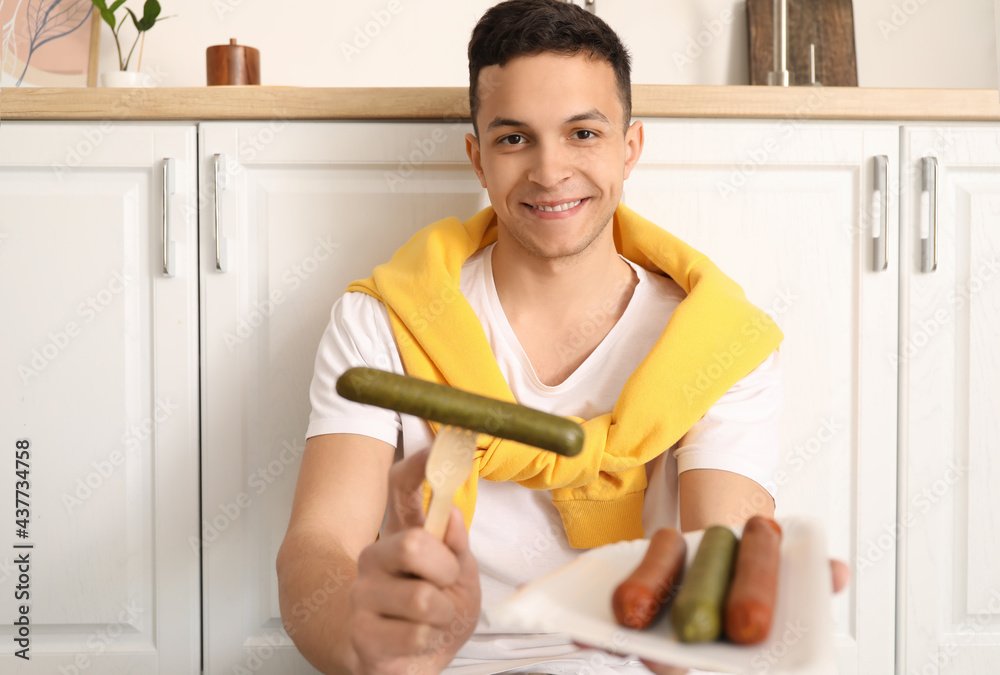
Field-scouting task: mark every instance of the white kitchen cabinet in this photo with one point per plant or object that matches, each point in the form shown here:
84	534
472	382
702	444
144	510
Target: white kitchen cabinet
786	208
99	350
304	208
949	517
881	360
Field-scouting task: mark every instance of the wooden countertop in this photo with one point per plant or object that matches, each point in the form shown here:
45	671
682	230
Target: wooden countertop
307	103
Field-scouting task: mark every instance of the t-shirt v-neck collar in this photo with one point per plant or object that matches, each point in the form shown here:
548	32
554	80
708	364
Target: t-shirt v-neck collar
592	361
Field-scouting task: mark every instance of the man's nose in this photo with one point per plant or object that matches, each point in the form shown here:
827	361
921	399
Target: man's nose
552	165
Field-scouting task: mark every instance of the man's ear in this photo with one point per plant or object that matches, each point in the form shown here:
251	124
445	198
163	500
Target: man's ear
472	150
634	139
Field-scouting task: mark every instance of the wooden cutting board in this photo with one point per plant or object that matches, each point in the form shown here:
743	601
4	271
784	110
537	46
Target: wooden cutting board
829	24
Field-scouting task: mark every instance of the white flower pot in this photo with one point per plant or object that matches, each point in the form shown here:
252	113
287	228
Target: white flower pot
124	78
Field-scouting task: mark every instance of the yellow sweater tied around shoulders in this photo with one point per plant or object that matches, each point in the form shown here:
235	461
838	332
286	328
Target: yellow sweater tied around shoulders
598	493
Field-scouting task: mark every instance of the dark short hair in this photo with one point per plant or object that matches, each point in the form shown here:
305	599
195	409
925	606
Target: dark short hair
529	27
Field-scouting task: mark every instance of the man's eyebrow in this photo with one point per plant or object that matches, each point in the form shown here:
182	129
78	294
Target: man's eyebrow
590	115
504	122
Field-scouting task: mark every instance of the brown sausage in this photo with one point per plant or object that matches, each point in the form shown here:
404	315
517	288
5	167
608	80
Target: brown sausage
638	599
750	604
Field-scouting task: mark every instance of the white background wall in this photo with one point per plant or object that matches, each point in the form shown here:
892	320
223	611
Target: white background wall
900	43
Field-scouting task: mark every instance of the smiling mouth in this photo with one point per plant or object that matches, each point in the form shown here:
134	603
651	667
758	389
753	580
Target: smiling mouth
565	206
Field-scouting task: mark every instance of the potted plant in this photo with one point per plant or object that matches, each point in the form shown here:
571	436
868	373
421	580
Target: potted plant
150	15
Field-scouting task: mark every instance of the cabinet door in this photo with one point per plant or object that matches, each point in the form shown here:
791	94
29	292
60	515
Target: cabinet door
786	208
99	351
304	208
949	368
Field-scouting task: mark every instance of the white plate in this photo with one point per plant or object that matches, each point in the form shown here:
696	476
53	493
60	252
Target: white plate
576	600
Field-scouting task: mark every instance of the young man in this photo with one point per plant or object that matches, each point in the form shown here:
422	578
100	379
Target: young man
556	297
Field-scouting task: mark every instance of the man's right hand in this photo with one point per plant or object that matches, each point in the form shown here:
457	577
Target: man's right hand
416	599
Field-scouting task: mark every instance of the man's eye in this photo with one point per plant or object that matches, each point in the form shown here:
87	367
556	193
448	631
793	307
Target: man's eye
585	134
513	139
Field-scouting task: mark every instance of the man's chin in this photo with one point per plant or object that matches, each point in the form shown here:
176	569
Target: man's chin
557	247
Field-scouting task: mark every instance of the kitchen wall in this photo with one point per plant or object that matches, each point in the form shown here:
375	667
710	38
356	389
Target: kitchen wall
900	43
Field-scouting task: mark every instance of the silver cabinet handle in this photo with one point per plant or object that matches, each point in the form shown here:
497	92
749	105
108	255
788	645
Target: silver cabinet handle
928	216
169	187
221	183
880	206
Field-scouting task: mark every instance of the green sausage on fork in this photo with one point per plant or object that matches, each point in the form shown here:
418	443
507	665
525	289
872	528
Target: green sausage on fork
458	408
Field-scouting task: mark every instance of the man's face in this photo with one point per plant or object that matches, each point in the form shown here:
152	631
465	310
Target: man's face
552	151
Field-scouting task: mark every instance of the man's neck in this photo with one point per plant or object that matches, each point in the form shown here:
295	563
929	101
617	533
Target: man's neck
547	301
526	281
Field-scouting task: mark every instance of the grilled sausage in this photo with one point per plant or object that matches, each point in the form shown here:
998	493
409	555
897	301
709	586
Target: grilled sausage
750	605
638	599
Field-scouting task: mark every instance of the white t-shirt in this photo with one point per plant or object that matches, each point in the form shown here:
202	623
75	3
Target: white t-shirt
517	534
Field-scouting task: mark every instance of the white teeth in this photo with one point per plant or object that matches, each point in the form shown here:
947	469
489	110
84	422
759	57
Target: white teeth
558	207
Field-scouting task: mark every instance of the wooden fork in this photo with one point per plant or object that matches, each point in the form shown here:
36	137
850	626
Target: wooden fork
447	469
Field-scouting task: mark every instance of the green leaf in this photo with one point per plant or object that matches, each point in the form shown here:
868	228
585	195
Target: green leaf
141	25
150	11
108	15
135	19
115	5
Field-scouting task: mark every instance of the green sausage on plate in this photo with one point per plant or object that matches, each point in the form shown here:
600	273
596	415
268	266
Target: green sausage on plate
697	614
